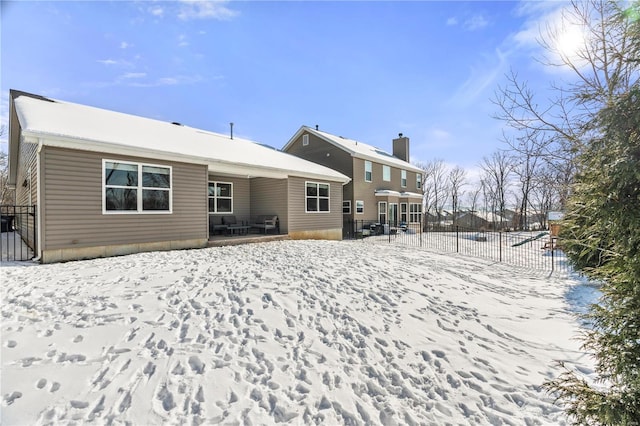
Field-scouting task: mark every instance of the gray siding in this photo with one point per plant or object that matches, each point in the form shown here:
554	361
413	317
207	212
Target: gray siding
72	204
26	193
300	220
241	196
27	176
322	152
269	196
357	188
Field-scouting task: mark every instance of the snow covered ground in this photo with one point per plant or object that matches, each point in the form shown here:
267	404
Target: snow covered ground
298	332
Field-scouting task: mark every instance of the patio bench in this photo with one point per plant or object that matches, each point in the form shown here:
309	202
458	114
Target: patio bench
216	224
265	222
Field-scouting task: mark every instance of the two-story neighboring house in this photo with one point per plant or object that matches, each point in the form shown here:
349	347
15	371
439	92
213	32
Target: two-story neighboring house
384	188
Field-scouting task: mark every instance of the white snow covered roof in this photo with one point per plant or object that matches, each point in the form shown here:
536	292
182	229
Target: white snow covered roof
356	149
69	125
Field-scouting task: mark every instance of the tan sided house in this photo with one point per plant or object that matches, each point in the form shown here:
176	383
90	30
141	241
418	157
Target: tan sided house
384	188
105	183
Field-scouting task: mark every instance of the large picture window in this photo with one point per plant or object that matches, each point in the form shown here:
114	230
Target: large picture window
220	197
136	188
317	197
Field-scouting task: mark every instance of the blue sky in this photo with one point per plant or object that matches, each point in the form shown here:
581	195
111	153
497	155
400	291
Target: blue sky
366	70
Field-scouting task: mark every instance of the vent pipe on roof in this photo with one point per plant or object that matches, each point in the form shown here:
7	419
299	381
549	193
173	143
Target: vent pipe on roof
231	125
316	127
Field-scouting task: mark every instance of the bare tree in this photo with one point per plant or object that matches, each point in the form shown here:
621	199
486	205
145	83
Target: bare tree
473	198
497	170
457	179
605	65
526	159
6	194
545	196
434	187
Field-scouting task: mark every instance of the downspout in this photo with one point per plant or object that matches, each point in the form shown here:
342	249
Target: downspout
38	204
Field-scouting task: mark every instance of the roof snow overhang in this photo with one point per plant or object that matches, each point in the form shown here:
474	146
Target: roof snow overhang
391	193
73	126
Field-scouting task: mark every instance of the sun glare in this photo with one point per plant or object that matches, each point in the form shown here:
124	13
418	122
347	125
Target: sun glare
570	42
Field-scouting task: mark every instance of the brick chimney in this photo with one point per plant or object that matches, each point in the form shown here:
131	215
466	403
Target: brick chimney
401	147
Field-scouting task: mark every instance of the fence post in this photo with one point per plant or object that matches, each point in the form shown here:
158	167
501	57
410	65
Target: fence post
500	245
552	257
457	239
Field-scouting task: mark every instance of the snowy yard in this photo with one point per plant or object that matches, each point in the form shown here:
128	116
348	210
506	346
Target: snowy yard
299	332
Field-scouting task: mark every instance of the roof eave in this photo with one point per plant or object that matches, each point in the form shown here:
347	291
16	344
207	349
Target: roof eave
220	166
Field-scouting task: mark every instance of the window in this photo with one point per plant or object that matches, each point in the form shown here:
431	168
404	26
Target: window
220	197
346	207
415	212
305	140
403	178
382	212
403	212
386	173
359	207
317	197
136	188
418	180
368	173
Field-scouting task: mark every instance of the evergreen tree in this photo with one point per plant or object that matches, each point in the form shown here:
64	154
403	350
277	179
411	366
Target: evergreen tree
601	236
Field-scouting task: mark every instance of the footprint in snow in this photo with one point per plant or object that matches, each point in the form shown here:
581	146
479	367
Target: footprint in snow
196	364
10	398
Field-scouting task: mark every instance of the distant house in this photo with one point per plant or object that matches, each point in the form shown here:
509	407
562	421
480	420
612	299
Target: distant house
383	188
105	183
481	220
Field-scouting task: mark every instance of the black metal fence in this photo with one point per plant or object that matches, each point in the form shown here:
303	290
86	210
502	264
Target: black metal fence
527	249
18	236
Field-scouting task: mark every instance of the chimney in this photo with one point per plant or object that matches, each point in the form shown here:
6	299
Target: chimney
401	147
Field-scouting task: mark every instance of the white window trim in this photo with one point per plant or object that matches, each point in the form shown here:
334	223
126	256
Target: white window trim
215	197
138	188
413	214
318	197
359	201
403	178
405	212
305	139
380	210
384	169
346	203
370	170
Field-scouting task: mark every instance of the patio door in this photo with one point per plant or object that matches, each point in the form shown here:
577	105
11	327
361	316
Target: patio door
393	214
